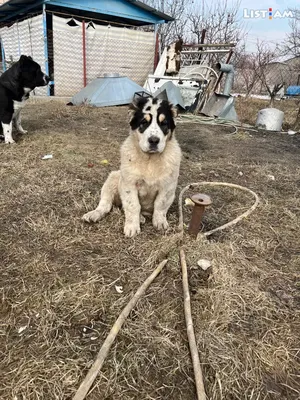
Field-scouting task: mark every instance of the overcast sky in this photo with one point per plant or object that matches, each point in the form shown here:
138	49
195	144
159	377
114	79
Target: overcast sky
273	30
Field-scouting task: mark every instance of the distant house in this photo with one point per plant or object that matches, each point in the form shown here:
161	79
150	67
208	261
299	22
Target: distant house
76	41
282	70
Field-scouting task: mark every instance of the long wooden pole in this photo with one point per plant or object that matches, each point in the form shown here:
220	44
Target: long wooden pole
190	330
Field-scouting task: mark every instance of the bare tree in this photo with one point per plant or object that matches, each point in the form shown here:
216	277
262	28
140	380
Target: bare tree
219	19
292	44
260	69
172	31
271	80
246	69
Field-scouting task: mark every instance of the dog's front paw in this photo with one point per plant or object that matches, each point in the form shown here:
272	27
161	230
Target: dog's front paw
160	222
9	141
92	216
131	229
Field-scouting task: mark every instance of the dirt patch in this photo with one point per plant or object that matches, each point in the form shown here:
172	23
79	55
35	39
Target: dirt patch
59	275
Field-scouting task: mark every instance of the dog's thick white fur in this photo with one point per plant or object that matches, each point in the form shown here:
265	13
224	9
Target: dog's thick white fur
148	175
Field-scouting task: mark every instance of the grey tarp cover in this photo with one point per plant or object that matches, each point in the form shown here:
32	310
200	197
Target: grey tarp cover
107	91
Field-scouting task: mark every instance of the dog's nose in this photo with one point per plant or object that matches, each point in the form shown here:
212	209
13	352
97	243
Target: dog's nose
153	140
46	79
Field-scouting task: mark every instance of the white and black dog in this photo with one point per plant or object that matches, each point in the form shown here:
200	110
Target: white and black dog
15	86
150	160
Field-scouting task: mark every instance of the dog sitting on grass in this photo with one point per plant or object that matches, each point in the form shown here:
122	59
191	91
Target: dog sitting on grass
148	175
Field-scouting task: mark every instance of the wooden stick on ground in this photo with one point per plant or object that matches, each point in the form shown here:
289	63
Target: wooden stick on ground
190	331
95	368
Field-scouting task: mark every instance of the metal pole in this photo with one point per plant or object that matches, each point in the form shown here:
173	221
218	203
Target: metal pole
203	33
19	45
219	51
3	57
211	45
84	53
156	48
200	202
46	45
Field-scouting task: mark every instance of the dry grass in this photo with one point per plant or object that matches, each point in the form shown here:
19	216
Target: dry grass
247	110
59	275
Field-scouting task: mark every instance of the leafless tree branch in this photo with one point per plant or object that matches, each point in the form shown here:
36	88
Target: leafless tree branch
220	20
292	45
172	31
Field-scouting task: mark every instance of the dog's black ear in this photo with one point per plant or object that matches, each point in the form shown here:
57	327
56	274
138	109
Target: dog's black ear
132	106
137	104
24	59
131	110
174	114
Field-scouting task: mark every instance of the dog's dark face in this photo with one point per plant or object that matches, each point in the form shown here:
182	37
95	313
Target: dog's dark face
31	73
153	122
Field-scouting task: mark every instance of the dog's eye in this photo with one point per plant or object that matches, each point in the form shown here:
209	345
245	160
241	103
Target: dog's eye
164	122
144	122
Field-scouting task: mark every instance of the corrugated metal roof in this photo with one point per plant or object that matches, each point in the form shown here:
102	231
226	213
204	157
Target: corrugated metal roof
144	6
136	11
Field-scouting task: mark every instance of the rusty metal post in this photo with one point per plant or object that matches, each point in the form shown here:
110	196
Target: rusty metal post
200	202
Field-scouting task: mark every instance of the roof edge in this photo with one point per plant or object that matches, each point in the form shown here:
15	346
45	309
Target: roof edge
12	8
163	16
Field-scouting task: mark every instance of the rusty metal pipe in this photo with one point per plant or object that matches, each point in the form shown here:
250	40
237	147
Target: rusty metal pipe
200	202
221	73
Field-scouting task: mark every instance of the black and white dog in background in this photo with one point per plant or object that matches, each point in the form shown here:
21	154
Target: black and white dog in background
15	86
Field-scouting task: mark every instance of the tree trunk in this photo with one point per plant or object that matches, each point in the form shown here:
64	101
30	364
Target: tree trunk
272	101
296	125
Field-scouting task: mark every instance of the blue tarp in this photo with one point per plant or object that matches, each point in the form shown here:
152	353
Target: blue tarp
293	91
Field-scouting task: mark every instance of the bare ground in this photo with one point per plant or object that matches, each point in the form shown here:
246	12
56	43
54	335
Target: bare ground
59	275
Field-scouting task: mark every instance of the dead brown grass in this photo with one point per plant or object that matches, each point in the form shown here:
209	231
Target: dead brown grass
59	275
247	110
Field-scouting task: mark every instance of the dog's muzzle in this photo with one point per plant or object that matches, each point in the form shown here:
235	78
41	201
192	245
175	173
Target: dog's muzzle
46	79
153	144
